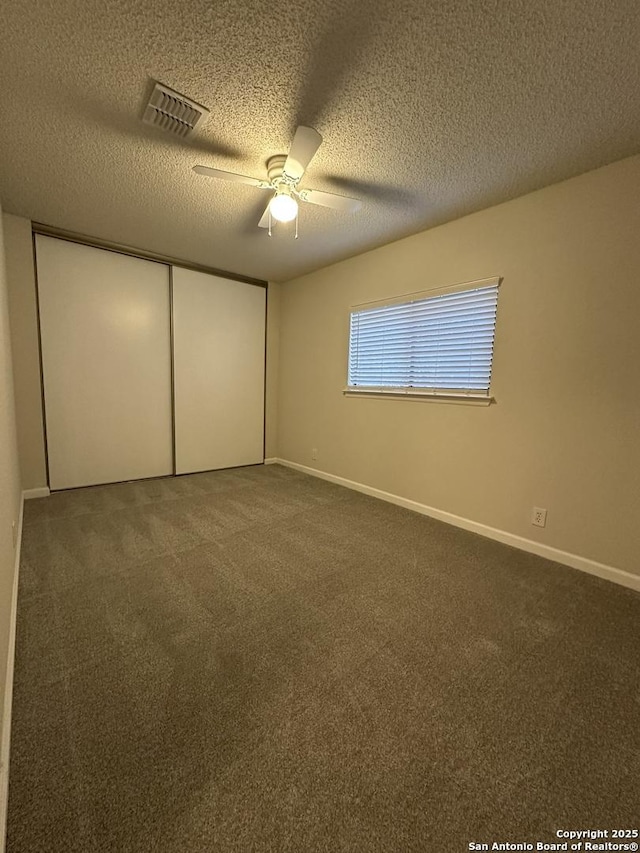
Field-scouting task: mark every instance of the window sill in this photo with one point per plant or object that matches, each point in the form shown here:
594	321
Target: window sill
428	396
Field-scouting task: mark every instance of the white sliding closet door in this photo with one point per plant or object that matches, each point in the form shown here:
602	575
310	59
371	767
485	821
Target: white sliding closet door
106	359
218	341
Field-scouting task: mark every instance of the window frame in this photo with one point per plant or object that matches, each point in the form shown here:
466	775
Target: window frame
442	395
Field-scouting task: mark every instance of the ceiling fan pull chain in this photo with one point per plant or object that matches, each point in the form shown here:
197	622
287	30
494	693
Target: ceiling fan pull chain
296	236
269	222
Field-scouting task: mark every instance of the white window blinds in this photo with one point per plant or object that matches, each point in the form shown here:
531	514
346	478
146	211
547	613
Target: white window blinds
440	344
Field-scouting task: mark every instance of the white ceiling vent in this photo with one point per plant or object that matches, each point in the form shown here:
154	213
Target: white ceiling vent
172	112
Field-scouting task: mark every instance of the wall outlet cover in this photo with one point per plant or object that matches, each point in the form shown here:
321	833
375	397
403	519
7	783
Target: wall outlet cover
538	516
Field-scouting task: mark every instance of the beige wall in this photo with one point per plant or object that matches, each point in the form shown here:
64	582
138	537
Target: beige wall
564	433
10	498
26	358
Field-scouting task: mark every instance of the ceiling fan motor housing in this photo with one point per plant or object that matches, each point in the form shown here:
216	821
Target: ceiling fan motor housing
275	167
277	176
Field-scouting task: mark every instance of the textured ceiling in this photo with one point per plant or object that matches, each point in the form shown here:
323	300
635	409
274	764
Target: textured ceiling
428	109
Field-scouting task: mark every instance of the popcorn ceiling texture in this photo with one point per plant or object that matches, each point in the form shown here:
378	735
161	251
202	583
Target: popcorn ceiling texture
429	110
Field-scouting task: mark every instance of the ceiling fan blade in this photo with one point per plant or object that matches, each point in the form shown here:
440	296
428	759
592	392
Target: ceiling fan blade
305	144
264	219
337	202
231	176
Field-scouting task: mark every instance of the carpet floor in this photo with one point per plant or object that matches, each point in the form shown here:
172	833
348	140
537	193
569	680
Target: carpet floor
256	660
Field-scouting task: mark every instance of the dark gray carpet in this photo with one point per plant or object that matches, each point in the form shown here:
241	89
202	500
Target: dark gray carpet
255	660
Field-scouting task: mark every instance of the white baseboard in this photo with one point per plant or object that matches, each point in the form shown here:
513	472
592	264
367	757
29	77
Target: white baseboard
41	492
575	561
5	742
272	460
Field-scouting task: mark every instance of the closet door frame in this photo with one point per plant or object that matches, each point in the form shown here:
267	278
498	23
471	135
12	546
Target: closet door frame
171	262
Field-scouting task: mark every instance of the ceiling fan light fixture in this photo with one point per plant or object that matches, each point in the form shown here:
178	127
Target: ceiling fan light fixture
284	173
283	206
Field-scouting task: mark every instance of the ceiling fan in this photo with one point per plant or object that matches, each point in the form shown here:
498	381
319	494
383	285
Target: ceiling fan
284	174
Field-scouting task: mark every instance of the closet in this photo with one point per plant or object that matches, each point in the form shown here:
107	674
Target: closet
148	369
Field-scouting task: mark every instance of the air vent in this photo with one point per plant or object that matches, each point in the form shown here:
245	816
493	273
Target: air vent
172	112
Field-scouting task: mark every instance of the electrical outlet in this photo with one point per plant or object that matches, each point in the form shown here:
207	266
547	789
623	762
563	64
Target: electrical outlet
314	454
539	517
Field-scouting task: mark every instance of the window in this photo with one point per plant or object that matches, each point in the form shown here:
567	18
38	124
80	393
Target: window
433	345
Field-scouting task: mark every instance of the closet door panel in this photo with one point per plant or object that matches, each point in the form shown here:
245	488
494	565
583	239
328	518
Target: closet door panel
219	340
106	355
